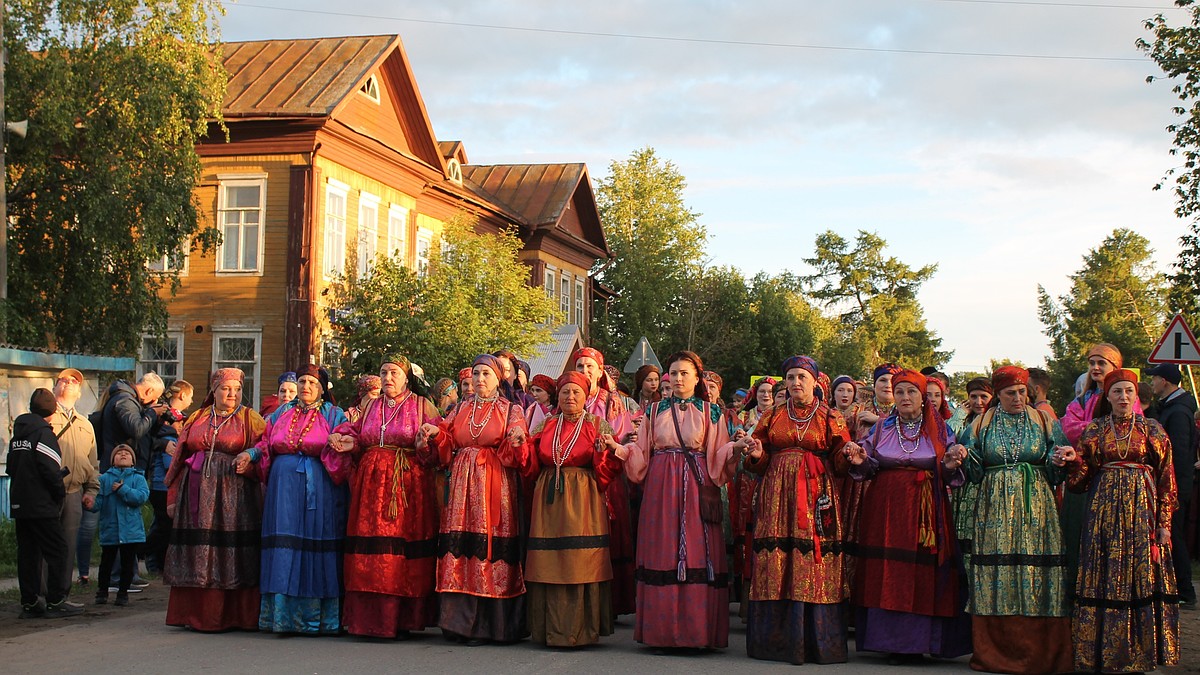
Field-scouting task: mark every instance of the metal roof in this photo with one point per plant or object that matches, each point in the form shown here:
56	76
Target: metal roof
557	352
298	77
538	192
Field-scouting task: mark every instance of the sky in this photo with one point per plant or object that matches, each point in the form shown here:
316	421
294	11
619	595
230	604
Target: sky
1000	140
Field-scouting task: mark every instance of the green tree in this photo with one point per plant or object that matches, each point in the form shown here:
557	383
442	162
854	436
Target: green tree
473	299
658	249
875	300
1176	51
116	93
1117	296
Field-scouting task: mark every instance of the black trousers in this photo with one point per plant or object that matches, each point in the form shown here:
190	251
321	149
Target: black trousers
1179	550
108	556
41	540
155	550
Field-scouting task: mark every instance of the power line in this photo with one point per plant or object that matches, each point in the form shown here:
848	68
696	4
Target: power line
694	40
1085	5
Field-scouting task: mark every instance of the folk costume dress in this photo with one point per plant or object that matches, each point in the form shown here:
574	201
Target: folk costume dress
743	495
908	585
852	492
391	533
682	582
963	501
1126	616
608	407
796	612
480	553
1073	512
568	569
304	522
213	559
1020	616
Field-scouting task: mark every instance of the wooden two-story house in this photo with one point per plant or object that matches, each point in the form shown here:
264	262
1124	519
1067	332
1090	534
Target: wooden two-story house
331	160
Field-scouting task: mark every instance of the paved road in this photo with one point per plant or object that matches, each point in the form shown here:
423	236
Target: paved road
140	643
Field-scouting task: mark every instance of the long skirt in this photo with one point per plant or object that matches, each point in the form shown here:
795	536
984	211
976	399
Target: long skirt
1126	608
796	610
1021	622
963	500
683	587
851	494
479	574
1072	515
390	556
213	559
568	567
742	495
624	587
908	602
304	522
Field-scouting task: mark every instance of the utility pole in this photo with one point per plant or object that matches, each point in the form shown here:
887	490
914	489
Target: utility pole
3	191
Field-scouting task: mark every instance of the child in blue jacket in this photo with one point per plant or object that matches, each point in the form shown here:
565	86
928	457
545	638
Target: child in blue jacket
123	490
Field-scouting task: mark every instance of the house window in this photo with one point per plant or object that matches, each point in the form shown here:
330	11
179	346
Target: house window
235	348
424	247
565	296
549	283
175	261
162	355
331	357
370	88
240	214
368	233
397	234
579	302
334	254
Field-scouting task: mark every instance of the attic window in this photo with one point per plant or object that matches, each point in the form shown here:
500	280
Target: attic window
454	171
370	89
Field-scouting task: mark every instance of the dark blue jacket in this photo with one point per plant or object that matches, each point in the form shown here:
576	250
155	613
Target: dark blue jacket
35	466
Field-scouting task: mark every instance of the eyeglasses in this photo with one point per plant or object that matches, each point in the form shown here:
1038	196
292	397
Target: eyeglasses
69	380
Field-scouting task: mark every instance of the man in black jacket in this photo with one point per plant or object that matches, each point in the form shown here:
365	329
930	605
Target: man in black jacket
36	497
1175	410
131	416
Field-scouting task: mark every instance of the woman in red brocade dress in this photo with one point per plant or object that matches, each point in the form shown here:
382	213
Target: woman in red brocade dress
391	535
479	572
742	492
216	499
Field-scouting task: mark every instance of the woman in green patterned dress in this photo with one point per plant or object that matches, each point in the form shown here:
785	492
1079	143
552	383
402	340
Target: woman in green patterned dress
1021	621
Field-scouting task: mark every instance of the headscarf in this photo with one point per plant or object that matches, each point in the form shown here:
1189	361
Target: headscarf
548	384
219	377
491	362
524	368
464	374
933	427
321	376
442	387
571	377
1108	352
886	369
713	376
364	386
839	381
801	361
1119	375
752	396
1008	376
944	406
980	384
399	360
593	354
639	378
823	391
289	376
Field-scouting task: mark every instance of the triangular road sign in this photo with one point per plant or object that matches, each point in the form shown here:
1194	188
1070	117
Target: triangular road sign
642	354
1177	345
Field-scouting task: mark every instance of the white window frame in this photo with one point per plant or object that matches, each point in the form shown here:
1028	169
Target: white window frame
162	265
143	368
550	282
333	250
580	314
424	236
371	88
241	332
242	180
397	234
368	237
564	296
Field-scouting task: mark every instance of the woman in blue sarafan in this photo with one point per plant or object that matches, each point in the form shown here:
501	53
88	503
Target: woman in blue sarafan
304	517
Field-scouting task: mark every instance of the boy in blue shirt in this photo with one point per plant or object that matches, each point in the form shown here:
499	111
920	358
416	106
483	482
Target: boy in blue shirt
123	490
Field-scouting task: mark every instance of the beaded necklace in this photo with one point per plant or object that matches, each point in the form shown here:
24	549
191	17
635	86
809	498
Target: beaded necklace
1117	438
476	428
1012	437
291	440
559	453
395	405
805	421
214	430
901	437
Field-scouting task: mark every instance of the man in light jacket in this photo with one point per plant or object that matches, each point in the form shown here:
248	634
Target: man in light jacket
77	441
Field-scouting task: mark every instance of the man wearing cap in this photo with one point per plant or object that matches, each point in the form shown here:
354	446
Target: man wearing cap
77	441
1175	410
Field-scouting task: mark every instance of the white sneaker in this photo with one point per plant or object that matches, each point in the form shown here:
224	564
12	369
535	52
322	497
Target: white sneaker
114	589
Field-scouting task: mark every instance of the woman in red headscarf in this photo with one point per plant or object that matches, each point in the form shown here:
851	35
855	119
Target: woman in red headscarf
365	390
545	395
683	455
907	584
1126	615
567	566
215	491
393	523
604	403
645	385
479	572
796	613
